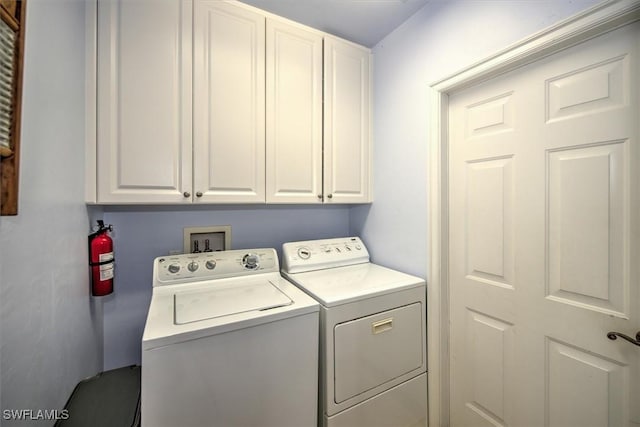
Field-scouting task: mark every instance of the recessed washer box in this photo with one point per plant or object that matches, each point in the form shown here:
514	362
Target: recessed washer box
207	239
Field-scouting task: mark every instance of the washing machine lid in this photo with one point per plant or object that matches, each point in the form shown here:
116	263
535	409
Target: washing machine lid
221	306
341	285
225	300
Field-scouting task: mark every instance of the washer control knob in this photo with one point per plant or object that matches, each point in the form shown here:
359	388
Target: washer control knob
174	268
304	253
250	261
193	266
211	264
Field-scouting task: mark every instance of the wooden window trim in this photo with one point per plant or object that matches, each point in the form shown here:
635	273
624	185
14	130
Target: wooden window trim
13	12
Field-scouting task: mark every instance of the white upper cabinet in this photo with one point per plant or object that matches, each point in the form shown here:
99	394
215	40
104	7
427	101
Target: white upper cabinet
294	114
229	104
143	101
347	156
210	101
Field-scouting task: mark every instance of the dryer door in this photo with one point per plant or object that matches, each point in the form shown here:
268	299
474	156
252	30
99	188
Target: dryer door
375	349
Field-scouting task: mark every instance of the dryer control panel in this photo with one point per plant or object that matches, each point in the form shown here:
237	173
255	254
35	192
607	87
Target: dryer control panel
314	255
173	269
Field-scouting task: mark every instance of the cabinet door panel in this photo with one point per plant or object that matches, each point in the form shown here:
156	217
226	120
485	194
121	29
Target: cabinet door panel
144	101
294	114
346	122
229	139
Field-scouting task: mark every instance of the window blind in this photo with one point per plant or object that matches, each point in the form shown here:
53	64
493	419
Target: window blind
7	49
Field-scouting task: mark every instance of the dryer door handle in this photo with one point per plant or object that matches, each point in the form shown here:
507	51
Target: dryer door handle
382	326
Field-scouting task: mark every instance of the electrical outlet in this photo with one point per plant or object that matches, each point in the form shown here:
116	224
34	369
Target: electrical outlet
207	239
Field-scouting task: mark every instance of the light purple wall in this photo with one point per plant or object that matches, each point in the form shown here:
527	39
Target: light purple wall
141	234
50	329
442	38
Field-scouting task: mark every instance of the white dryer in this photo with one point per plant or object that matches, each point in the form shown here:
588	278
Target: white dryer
228	342
372	334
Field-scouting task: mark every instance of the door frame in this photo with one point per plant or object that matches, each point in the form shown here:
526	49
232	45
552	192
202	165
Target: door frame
595	21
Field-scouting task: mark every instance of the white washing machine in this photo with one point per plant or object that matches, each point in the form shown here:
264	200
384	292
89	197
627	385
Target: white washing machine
372	334
228	342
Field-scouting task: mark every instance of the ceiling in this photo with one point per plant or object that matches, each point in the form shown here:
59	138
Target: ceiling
365	22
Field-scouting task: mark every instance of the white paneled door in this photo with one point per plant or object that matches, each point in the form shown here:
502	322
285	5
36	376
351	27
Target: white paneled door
229	103
346	122
294	114
545	241
144	101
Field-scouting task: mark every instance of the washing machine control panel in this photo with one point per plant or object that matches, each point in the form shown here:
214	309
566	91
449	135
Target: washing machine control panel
320	254
213	265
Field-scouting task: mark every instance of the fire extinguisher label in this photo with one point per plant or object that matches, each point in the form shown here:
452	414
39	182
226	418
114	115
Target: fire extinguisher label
107	256
106	272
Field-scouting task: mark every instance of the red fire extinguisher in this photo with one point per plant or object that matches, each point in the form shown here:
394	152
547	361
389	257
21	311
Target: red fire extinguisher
101	260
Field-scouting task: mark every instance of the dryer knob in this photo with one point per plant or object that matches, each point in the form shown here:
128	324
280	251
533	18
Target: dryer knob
174	268
250	261
193	266
211	264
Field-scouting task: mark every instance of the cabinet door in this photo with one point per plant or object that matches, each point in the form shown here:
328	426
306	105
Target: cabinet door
144	101
294	114
346	122
228	128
